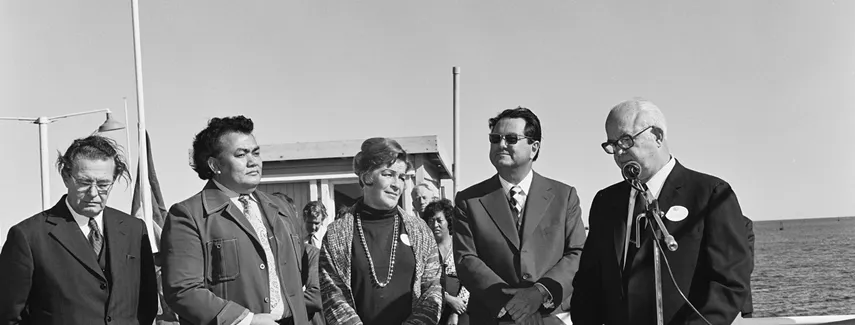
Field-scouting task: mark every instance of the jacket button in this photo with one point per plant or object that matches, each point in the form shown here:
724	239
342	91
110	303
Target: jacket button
261	266
266	299
109	319
526	276
103	286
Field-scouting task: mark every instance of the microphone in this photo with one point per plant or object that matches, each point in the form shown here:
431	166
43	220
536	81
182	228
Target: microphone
631	170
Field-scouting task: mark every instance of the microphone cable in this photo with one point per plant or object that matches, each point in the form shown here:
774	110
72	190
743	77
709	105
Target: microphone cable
673	280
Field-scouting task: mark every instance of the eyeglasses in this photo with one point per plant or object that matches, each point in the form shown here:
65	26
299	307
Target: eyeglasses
624	142
86	186
509	138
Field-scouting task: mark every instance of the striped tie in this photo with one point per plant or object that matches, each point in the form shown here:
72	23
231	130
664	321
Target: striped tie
516	204
94	237
261	232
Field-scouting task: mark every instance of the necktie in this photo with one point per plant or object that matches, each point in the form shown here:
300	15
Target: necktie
94	237
631	250
261	232
516	199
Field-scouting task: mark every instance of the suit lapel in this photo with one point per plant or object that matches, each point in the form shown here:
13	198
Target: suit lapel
68	234
497	206
214	200
536	205
621	206
117	242
277	229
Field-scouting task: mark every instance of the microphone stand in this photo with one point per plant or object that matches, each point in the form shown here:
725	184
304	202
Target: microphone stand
659	233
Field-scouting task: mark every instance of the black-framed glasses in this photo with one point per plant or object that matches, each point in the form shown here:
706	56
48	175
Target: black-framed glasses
86	186
624	142
509	138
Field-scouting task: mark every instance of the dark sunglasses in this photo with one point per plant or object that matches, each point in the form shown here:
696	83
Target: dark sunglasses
509	138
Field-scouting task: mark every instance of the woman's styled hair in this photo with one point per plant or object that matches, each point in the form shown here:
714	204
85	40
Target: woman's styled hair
376	153
207	142
435	207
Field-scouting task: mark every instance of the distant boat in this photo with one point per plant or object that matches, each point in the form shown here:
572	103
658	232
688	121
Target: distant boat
782	226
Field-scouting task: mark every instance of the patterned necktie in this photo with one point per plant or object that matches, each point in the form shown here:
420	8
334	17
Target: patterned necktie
94	237
261	231
516	204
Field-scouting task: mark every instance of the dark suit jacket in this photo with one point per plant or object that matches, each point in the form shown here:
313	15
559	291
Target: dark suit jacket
748	307
312	293
212	269
49	273
490	254
711	266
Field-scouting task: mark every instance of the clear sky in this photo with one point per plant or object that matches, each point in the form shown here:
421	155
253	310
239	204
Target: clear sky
759	93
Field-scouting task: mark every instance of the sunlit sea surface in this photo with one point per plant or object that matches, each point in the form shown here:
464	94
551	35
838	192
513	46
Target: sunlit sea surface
804	267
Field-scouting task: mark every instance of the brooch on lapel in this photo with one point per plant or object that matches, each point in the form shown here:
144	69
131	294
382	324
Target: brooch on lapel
405	239
677	213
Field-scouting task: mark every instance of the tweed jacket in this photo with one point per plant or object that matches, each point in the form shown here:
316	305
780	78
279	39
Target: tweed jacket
335	273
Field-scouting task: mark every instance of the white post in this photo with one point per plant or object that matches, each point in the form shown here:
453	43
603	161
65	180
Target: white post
455	166
145	195
45	170
313	190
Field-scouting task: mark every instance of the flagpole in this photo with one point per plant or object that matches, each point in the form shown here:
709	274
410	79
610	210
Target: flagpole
455	166
145	192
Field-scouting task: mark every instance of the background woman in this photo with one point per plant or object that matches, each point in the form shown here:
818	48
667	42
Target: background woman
379	265
438	216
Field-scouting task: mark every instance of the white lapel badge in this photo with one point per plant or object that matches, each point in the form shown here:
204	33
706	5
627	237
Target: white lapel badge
677	213
405	239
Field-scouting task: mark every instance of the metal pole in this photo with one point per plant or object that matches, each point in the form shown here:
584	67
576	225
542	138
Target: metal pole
145	193
455	166
45	171
129	154
657	271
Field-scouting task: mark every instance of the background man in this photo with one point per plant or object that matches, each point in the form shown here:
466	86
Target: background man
519	235
423	194
80	262
615	283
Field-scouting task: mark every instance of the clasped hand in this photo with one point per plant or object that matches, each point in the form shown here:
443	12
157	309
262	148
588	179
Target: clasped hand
524	304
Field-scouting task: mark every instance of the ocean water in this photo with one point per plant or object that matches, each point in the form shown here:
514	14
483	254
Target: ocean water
804	267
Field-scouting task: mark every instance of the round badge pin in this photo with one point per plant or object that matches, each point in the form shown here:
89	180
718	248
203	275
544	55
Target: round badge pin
405	239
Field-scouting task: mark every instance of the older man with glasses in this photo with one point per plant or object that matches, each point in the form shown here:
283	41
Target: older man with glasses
80	262
705	281
519	235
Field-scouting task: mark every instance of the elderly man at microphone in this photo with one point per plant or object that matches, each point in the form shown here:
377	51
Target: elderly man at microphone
709	256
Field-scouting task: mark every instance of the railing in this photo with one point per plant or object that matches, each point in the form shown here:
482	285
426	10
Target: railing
832	319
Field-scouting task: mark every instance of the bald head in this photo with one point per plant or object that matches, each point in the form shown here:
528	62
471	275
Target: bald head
641	119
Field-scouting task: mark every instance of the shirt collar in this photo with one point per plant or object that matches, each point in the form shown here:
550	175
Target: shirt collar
525	184
82	220
658	180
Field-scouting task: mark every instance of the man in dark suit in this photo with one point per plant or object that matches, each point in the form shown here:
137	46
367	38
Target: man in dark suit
615	283
229	255
748	307
519	235
80	262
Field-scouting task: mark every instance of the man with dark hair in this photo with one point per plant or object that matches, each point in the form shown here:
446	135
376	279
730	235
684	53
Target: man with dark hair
230	256
519	235
80	262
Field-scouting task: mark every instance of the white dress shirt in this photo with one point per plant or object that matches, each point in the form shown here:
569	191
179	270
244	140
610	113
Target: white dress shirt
654	184
83	221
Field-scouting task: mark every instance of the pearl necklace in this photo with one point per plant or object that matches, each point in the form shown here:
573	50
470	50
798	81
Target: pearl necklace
368	253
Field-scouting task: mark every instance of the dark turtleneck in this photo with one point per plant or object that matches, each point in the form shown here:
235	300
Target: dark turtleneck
393	303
